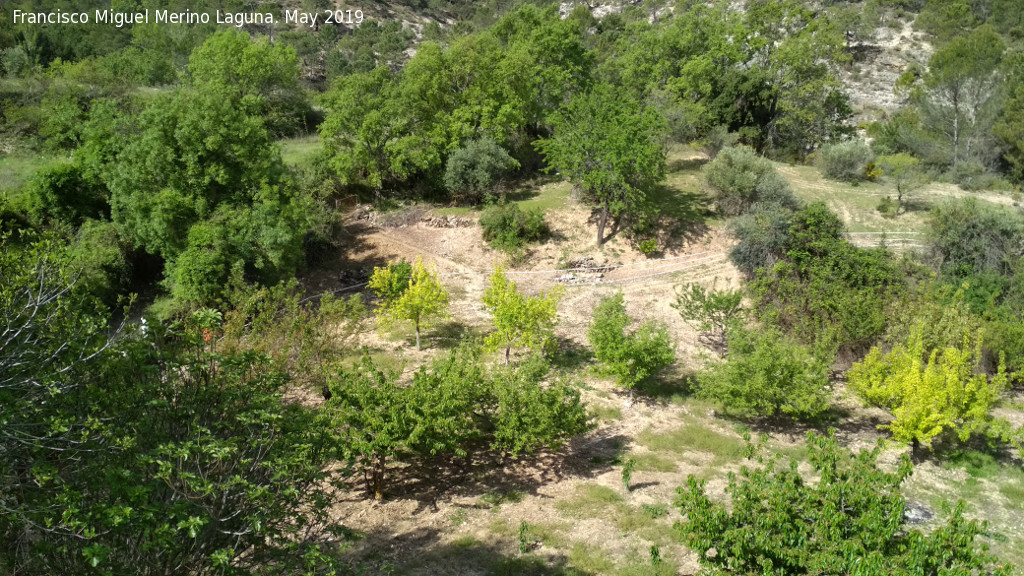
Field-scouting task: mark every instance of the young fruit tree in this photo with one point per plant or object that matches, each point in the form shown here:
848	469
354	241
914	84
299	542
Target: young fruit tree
904	171
931	394
520	320
609	145
848	521
423	301
633	357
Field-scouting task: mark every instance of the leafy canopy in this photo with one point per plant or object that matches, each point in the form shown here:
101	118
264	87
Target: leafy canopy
632	357
931	393
610	146
423	301
520	320
850	521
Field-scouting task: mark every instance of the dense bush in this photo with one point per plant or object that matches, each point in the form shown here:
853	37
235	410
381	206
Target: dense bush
63	192
475	168
846	161
762	235
849	521
633	357
969	237
102	260
828	291
508	227
738	179
932	393
766	374
452	409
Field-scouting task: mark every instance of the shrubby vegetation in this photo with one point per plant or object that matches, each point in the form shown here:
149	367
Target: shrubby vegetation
851	519
932	392
851	161
739	180
630	357
765	374
453	409
508	227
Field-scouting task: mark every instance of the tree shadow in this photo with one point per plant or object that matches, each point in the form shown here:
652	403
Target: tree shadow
423	552
570	355
664	386
669	214
687	164
449	335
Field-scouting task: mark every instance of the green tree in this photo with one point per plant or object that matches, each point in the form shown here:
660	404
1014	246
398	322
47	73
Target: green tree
711	311
904	171
850	521
610	146
152	453
766	374
1010	131
630	357
475	168
422	302
943	394
261	74
520	320
962	81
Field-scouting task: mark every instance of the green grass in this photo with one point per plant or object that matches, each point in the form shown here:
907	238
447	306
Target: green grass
606	413
497	498
590	559
18	168
650	462
595	501
300	152
694	436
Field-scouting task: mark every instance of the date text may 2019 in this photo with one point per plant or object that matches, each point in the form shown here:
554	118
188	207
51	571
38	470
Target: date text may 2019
312	19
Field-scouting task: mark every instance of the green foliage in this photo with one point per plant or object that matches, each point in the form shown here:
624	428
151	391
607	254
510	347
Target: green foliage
610	146
762	236
263	75
846	161
962	93
971	238
634	357
64	192
101	258
710	311
475	168
422	302
520	320
1010	132
850	520
943	394
150	446
766	374
390	282
508	227
627	474
306	339
454	408
827	292
648	247
738	180
903	171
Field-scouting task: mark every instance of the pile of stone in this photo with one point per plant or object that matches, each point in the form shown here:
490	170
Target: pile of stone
447	222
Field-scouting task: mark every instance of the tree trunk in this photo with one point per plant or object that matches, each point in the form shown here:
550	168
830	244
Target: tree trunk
418	336
899	198
508	350
602	221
